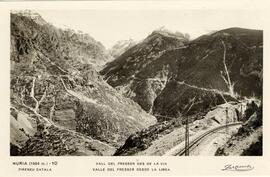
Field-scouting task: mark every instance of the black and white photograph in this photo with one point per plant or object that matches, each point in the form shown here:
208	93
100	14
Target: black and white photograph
145	88
149	86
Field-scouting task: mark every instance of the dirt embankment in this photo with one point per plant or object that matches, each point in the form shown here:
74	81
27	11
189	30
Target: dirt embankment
248	140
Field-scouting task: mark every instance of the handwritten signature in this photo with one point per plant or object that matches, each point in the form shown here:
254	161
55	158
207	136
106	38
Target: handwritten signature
230	167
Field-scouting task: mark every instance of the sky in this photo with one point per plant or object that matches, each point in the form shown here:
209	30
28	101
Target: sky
110	26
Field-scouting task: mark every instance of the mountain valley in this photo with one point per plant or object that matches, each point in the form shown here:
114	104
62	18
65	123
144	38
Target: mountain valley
69	95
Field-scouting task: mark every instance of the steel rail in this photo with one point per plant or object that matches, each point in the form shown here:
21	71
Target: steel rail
196	140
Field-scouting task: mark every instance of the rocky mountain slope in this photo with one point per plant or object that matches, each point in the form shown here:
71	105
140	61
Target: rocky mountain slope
59	103
189	79
68	45
224	66
248	140
174	73
164	137
128	74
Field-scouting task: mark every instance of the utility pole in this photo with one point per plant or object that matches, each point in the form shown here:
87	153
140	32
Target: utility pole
227	119
241	117
187	138
187	129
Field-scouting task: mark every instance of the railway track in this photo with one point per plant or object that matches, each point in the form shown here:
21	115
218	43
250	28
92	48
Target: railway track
204	135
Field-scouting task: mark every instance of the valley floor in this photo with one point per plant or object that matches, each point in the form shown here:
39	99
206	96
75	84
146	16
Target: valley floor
206	135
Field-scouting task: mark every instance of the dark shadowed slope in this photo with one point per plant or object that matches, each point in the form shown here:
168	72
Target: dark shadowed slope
226	64
204	72
125	73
